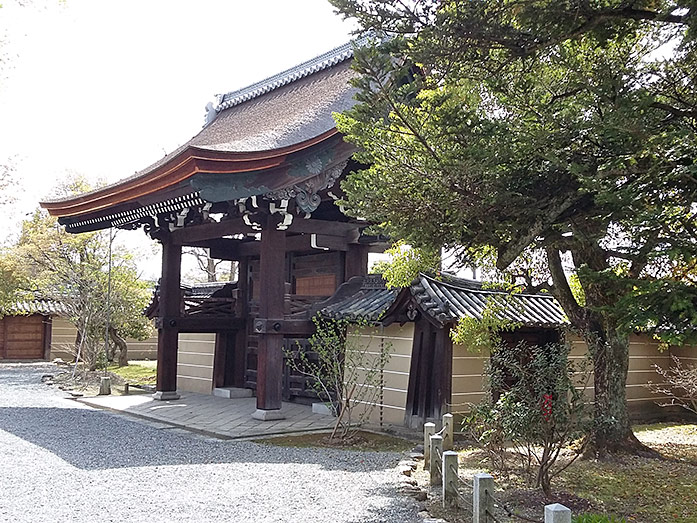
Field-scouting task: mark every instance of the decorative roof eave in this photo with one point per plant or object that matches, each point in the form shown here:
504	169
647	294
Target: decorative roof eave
181	167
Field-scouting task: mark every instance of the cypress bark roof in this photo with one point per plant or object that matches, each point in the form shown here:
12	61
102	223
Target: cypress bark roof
262	129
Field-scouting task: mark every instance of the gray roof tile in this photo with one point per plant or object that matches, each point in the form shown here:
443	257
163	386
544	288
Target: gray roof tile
444	299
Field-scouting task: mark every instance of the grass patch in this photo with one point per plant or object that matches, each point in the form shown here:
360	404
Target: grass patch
645	489
362	441
138	374
630	487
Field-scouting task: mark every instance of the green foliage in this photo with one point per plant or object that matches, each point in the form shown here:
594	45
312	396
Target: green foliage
347	371
539	411
407	263
73	269
482	334
551	127
597	518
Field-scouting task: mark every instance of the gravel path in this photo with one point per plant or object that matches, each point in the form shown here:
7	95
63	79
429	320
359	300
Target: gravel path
62	461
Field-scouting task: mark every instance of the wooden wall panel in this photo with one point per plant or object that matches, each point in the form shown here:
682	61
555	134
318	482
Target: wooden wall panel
22	337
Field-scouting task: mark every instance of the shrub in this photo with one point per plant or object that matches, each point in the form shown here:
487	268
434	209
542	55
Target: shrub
347	372
535	408
680	385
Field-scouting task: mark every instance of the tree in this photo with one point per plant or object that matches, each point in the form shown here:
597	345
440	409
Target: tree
211	268
74	270
562	128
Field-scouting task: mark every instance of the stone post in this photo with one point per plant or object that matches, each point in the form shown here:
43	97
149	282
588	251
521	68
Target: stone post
557	513
450	485
449	432
481	502
105	386
436	460
429	430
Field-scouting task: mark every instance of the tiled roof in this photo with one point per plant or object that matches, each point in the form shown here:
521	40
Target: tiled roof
38	306
359	298
449	299
205	290
444	299
290	108
192	290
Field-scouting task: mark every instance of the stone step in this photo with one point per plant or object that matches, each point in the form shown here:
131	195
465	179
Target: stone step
232	392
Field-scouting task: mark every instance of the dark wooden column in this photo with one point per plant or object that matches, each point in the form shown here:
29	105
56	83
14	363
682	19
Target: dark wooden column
168	322
240	363
268	325
356	261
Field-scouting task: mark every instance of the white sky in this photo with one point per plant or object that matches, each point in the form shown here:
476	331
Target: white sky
104	88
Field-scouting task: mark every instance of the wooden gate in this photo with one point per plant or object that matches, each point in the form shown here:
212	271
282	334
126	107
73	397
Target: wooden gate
24	337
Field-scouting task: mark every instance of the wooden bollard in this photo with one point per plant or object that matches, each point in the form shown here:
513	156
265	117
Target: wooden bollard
429	430
436	460
450	477
448	432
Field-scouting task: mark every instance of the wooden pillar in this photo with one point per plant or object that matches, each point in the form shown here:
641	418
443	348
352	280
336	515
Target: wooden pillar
356	261
242	311
48	327
168	322
271	296
220	359
443	371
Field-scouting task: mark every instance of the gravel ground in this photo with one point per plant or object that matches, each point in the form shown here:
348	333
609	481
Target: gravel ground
62	461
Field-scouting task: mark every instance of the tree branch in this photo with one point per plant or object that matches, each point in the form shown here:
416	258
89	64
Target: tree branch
562	291
510	251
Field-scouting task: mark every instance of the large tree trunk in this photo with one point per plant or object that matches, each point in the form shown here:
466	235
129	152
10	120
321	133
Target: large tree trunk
612	429
122	346
609	349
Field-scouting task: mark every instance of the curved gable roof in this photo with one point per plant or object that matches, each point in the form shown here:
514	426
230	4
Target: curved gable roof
255	129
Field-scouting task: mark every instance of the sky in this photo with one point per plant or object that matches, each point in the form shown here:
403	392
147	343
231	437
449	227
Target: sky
104	88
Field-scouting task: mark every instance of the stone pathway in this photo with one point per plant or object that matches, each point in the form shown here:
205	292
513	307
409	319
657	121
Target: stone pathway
220	417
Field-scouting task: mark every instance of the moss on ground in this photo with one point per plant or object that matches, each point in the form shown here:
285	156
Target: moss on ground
134	373
365	441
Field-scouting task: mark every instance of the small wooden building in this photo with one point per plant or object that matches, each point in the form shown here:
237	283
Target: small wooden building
40	330
428	375
256	185
25	330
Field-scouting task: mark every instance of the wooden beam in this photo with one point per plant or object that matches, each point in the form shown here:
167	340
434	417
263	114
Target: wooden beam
325	227
209	324
356	261
286	327
208	231
229	249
